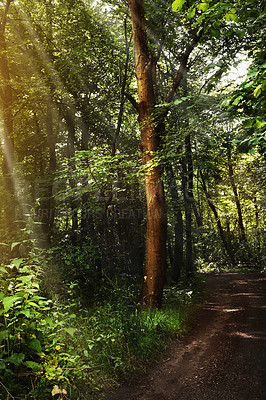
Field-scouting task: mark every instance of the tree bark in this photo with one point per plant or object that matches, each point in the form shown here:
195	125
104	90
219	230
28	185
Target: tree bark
155	256
188	220
74	203
151	130
47	203
237	200
178	255
227	245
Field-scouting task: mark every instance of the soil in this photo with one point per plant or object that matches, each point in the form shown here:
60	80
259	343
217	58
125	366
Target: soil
222	358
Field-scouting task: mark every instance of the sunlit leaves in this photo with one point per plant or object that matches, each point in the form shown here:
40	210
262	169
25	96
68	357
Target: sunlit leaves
258	91
177	5
191	13
8	302
203	6
231	15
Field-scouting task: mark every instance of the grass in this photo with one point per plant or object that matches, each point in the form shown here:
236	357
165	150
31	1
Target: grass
77	352
114	339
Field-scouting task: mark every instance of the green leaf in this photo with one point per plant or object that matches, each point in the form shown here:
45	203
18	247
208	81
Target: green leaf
16	358
230	17
178	101
203	6
26	312
257	91
49	321
177	5
248	84
241	33
13	245
3	335
25	279
215	33
191	13
249	122
259	124
237	100
35	344
70	331
8	302
33	365
17	261
2	365
225	103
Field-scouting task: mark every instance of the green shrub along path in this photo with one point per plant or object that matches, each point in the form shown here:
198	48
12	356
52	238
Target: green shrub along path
224	357
62	348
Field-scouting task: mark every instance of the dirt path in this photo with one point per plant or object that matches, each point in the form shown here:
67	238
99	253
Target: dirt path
223	358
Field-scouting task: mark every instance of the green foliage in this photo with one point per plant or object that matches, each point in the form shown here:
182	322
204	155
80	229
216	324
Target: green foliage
177	5
21	323
62	348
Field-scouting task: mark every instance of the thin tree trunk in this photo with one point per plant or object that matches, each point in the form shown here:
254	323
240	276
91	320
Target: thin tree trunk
227	245
178	256
109	197
188	221
70	118
237	200
47	205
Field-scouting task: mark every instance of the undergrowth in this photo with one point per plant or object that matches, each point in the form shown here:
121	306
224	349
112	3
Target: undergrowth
59	349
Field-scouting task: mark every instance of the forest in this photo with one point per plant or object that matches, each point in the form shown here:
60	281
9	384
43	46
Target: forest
133	150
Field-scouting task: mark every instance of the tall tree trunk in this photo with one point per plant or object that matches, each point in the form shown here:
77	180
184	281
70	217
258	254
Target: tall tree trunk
227	245
7	115
178	254
145	69
109	197
188	220
70	122
47	202
155	257
237	200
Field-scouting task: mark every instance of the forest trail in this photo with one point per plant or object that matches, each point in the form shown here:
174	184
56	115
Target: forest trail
224	356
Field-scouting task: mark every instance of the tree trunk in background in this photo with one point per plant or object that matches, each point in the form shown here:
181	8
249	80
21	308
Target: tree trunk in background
187	183
178	254
155	257
178	247
7	118
70	122
47	203
86	219
227	245
187	186
237	200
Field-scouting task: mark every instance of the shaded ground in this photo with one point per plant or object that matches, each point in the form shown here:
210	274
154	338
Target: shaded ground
223	358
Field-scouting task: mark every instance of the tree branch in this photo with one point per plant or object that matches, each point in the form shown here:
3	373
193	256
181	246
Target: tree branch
132	101
182	67
3	20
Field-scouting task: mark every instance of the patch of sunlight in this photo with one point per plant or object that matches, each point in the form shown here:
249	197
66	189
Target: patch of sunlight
248	336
